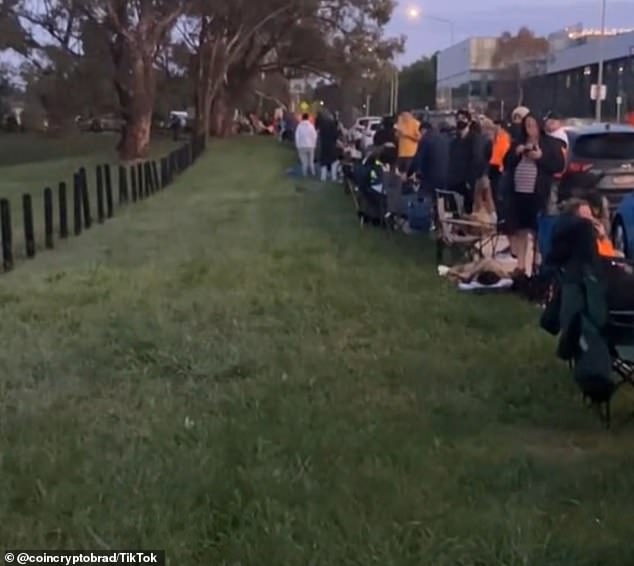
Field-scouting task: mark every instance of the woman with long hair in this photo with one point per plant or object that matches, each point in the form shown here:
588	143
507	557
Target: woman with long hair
532	161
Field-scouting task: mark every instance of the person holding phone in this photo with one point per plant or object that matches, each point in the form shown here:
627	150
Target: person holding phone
532	162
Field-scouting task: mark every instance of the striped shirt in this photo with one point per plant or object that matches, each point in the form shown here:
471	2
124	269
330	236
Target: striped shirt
525	176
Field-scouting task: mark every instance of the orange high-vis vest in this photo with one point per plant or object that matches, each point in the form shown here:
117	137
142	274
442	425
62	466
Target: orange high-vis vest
605	247
501	146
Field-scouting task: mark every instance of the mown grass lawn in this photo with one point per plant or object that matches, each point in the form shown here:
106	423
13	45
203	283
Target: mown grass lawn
30	162
235	372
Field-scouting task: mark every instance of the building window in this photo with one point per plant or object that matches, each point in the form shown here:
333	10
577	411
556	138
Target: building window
568	81
476	88
587	71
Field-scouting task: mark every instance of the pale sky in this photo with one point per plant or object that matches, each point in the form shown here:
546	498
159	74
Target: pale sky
492	17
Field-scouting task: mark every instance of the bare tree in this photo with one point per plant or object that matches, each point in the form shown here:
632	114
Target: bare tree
511	50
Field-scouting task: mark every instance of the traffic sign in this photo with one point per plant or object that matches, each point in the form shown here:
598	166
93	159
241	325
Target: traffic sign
595	93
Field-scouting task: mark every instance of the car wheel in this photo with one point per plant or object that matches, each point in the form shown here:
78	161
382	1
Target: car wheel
619	236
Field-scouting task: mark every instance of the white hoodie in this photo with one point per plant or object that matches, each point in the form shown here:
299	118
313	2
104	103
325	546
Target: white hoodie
305	135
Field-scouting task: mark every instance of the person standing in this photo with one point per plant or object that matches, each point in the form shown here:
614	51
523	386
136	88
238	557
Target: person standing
501	145
328	130
517	116
554	128
532	162
305	142
468	158
408	134
432	159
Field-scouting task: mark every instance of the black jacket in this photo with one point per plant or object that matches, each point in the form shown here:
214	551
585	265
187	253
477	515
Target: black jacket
328	136
468	160
432	159
551	163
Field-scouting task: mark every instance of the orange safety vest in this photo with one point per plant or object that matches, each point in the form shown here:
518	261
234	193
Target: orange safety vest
605	247
501	146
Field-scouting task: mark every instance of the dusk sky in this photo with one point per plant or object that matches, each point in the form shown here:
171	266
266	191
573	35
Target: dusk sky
492	17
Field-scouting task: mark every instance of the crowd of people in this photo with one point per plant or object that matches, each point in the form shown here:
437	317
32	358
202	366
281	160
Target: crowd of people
508	174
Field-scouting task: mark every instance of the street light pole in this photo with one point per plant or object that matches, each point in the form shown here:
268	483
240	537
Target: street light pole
599	100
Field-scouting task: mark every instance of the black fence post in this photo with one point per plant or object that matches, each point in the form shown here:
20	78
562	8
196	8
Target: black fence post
77	204
63	210
85	198
147	174
7	235
100	208
163	172
108	184
123	185
155	177
133	182
139	178
48	218
29	233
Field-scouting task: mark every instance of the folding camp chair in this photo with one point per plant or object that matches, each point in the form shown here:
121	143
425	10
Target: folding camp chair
620	335
399	198
455	231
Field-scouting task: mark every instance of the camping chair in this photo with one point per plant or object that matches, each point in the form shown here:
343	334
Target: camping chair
620	336
454	231
398	201
595	338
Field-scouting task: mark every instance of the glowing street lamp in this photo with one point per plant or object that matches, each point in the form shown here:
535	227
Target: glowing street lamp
413	13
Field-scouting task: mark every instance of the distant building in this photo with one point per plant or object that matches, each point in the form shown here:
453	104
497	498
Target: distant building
562	81
465	75
571	70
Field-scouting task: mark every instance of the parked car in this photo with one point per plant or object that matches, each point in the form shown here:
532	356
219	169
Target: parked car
608	150
367	139
623	227
361	125
103	123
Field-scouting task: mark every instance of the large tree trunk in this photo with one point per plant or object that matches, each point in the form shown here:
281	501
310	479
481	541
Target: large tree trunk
136	97
221	116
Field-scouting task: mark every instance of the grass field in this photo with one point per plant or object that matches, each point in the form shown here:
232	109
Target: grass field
235	372
31	162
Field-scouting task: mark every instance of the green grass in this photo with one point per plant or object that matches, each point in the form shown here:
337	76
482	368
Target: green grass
237	373
31	162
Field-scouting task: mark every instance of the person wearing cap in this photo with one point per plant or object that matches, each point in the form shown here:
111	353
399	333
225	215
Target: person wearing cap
517	117
555	129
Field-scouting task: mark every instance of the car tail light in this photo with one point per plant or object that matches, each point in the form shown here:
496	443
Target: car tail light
579	167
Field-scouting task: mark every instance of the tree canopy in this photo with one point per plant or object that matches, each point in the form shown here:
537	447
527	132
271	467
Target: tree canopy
92	56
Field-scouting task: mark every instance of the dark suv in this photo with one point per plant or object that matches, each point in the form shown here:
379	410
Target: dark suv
606	149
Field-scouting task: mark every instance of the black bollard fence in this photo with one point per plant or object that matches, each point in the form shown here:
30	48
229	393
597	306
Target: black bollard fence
48	218
29	232
7	234
139	178
62	204
163	172
133	183
85	198
147	174
108	184
155	177
123	185
100	195
77	204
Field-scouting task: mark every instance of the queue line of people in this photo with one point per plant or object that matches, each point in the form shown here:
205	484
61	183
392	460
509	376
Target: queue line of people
513	166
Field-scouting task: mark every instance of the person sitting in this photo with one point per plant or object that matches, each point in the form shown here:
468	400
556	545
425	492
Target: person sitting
579	239
583	209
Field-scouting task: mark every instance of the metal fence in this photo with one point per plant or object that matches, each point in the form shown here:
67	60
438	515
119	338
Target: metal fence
72	208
